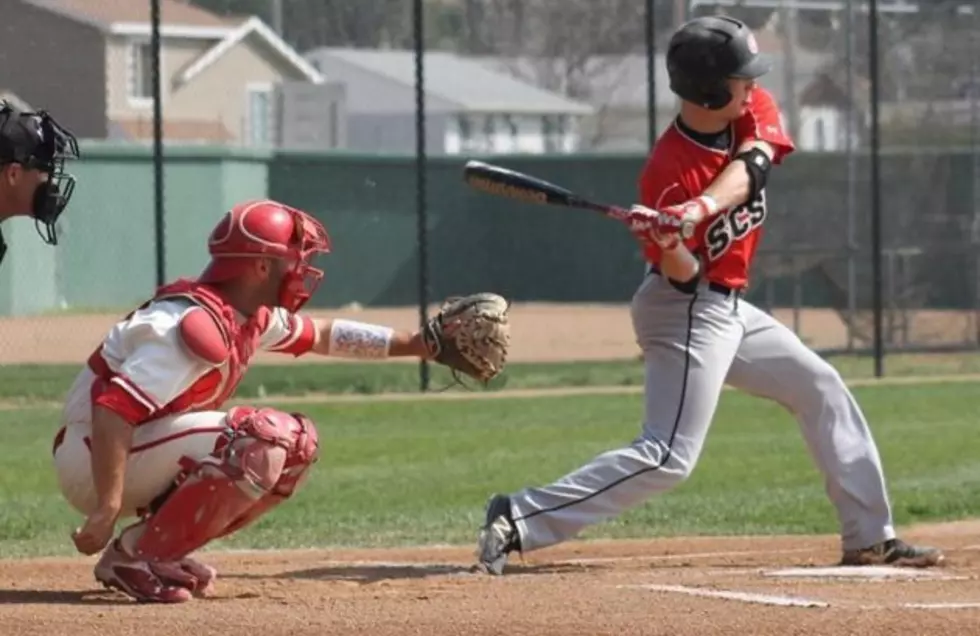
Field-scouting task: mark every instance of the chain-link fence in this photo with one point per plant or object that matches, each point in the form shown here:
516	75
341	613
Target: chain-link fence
326	104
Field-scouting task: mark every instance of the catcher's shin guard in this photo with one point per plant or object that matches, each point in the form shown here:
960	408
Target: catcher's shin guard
262	461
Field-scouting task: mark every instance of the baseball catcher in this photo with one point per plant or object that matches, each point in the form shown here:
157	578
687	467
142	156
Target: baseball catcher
33	182
144	434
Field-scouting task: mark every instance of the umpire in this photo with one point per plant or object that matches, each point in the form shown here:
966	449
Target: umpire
33	182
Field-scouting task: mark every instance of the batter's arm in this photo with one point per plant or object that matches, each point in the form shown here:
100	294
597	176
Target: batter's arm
734	186
679	263
762	143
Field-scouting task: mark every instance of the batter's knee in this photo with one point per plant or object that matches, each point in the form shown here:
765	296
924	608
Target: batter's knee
823	388
666	464
826	375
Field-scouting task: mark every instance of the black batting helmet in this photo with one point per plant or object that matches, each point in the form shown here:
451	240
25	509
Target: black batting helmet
705	52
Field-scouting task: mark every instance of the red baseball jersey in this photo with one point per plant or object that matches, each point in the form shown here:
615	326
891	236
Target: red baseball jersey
680	168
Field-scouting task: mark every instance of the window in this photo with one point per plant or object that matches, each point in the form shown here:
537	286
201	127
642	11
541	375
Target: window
820	134
140	62
554	128
467	141
259	116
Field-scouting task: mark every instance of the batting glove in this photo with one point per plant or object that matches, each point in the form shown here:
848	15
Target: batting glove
644	225
684	217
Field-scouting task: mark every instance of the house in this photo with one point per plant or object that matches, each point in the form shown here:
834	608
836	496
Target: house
835	115
615	86
469	108
828	108
91	61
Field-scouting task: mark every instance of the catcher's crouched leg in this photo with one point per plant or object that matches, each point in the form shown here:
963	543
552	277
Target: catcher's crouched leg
260	462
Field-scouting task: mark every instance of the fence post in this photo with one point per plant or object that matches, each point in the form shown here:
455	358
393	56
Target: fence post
418	19
159	227
876	290
651	50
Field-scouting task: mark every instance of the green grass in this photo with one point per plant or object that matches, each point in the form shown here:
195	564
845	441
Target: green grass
420	471
30	383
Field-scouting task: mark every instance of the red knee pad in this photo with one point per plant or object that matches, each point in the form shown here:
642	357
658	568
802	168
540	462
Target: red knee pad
260	462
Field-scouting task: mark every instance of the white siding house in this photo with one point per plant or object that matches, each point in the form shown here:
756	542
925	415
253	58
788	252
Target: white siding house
470	109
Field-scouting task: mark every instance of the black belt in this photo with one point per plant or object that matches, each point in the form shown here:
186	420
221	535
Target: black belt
691	286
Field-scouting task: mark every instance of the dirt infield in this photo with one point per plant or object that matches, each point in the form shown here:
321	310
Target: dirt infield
542	332
759	586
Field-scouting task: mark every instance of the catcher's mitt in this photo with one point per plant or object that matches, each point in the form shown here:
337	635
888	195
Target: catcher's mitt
470	335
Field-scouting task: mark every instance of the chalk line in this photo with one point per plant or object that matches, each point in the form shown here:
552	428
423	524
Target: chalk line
732	595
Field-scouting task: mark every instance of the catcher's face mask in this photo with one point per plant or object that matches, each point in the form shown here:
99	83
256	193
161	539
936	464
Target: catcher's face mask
35	141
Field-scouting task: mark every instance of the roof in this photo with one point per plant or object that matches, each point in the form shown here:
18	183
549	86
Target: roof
179	19
469	85
613	81
107	12
253	26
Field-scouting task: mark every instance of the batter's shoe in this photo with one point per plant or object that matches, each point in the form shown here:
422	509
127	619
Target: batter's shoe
136	579
895	552
498	537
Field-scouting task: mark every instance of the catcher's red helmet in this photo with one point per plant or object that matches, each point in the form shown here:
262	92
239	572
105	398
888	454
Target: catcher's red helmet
268	229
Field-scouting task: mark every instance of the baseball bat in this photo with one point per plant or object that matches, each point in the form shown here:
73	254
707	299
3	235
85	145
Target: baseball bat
523	187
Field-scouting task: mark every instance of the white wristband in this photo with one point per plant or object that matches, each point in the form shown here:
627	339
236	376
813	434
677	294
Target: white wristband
709	203
352	339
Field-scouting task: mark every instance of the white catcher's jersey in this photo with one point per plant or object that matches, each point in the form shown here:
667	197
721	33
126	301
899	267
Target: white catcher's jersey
152	370
149	361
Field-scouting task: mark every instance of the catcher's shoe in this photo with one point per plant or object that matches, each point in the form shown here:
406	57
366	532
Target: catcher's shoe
188	573
498	537
117	570
895	552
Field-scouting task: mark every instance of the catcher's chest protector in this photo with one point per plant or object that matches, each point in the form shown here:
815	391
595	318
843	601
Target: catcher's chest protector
240	341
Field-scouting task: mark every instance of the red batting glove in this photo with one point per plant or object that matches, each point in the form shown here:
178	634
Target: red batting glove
643	223
684	217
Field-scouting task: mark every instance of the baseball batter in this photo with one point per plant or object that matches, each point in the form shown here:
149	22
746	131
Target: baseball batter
708	171
33	182
143	432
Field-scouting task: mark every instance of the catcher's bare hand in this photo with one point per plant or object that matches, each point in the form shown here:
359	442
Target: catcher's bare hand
95	535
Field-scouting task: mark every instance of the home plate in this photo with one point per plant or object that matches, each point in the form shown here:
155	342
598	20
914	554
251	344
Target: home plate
875	572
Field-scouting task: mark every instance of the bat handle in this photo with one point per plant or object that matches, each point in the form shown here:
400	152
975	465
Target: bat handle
616	212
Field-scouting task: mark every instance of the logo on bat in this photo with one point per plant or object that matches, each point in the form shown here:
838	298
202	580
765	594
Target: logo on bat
507	190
